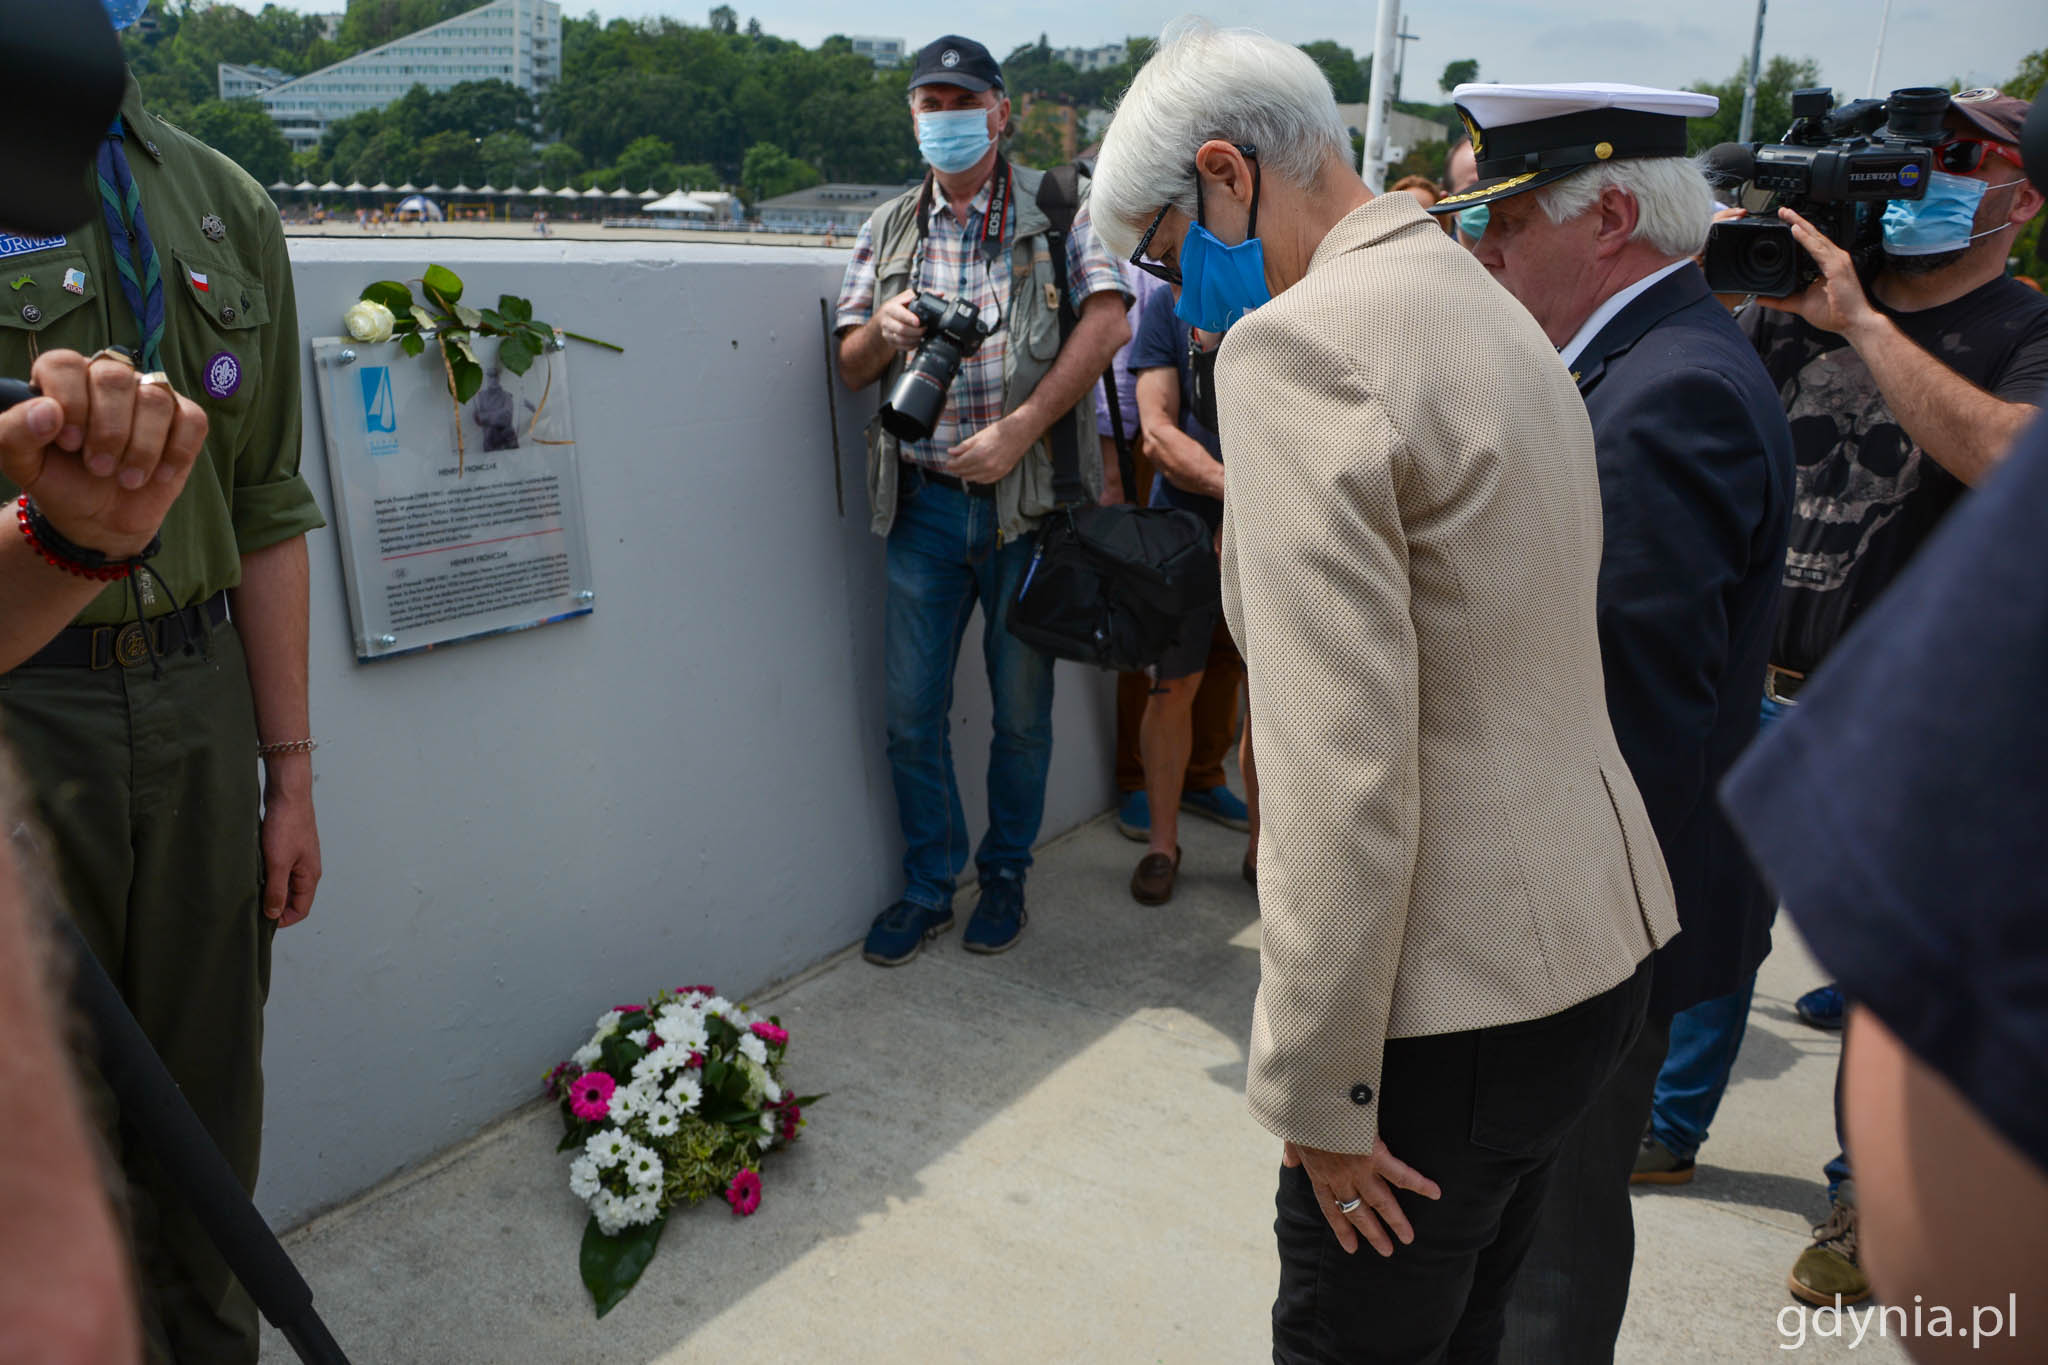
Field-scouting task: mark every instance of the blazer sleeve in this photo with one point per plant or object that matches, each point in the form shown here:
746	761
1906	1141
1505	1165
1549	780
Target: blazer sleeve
1316	578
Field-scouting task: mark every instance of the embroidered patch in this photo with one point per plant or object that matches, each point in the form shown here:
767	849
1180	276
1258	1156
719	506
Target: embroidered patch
223	375
74	282
13	244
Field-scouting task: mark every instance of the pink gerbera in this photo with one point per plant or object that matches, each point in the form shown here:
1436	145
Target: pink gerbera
629	1009
744	1194
590	1095
773	1034
790	1118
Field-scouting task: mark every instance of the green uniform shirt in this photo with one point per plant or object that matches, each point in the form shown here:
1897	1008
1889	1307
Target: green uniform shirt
232	347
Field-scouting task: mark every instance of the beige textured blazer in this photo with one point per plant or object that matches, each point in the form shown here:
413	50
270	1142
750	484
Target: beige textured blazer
1450	838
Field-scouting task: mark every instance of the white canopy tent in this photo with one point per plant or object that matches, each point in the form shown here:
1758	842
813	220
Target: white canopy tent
680	204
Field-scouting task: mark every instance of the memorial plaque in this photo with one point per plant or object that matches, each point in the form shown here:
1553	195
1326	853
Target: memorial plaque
453	525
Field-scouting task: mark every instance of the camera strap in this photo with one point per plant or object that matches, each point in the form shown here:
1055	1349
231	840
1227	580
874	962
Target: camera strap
994	224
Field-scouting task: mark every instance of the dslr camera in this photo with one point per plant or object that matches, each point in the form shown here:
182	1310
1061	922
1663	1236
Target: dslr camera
953	330
1836	168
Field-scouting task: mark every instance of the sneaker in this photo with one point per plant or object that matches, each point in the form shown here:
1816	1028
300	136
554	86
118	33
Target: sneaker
1822	1008
1134	816
1827	1272
998	916
1657	1164
901	930
1221	804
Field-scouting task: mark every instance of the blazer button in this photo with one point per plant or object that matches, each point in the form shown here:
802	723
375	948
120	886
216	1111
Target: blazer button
227	314
31	314
1361	1093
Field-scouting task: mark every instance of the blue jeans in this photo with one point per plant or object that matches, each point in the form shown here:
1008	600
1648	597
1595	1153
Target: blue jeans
943	560
1704	1041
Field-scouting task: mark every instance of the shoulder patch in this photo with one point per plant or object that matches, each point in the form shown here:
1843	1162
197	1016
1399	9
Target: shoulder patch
12	244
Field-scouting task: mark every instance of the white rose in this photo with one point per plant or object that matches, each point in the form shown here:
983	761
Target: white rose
368	320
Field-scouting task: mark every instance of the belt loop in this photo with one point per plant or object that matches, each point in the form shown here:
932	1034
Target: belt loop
101	655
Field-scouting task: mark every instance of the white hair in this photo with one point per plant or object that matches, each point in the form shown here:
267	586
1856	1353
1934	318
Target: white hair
1200	84
1674	204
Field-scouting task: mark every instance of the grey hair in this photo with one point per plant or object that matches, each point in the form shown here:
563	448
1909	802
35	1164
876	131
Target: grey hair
1204	83
1674	203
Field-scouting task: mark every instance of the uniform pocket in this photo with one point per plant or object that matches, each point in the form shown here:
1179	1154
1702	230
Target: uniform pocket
213	312
44	290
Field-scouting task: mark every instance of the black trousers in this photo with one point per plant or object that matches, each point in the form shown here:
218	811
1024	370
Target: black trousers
1481	1113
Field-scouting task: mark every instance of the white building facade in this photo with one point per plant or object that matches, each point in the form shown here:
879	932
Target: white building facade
516	41
880	51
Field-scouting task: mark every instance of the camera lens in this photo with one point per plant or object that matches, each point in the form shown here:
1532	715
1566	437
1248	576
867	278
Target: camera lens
1916	113
1767	255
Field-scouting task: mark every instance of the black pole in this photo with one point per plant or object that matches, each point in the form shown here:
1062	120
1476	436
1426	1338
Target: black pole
151	1099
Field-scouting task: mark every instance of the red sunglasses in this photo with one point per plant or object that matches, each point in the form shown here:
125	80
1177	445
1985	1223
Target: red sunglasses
1961	155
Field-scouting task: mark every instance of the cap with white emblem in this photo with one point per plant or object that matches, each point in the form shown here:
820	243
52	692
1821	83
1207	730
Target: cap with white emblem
1527	136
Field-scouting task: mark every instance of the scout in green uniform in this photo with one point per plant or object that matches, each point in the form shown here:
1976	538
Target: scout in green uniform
140	741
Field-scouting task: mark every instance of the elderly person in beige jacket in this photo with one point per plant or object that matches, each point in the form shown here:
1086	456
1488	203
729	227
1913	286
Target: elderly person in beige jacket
1458	882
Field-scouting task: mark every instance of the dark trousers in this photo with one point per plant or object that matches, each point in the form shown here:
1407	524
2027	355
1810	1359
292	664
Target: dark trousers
1568	1303
147	787
1481	1113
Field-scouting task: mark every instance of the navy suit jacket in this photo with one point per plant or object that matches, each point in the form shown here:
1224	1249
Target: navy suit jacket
1696	480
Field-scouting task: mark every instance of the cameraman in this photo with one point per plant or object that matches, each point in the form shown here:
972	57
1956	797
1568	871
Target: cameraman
960	509
1899	399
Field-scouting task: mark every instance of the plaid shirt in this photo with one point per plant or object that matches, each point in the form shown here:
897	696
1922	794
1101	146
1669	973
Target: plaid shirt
952	265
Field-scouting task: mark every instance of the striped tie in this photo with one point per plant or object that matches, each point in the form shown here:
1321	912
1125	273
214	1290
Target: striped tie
134	253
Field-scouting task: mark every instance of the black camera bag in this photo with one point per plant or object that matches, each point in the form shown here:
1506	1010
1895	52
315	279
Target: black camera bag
1108	586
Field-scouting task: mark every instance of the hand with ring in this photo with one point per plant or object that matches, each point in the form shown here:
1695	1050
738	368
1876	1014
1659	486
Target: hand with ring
104	450
1356	1193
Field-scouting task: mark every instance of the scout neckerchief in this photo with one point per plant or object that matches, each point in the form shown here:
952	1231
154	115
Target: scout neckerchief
135	256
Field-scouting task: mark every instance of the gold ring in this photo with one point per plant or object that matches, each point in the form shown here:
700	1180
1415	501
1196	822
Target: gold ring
120	353
155	377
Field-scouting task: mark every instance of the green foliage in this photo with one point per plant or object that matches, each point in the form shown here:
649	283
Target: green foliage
1780	77
1350	78
768	171
431	138
2032	75
1040	139
1458	73
244	131
1032	68
611	1266
369	23
1425	159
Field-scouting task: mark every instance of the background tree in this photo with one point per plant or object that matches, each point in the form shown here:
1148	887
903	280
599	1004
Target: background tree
243	130
1458	73
559	163
2032	75
1350	78
725	20
1425	158
507	160
767	172
1781	76
1041	136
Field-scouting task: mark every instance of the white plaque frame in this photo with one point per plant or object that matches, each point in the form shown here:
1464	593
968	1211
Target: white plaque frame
437	548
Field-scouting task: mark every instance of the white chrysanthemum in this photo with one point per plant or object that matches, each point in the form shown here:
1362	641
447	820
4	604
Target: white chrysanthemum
718	1005
607	1148
686	1031
675	1019
629	1102
771	1092
661	1120
643	1207
583	1182
639	1037
685	1094
643	1167
660	1063
611	1212
754	1050
587	1055
607	1023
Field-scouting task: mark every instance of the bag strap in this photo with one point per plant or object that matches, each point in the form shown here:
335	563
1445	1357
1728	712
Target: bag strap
1059	199
1123	444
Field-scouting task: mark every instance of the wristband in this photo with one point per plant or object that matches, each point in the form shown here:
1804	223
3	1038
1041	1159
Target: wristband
72	558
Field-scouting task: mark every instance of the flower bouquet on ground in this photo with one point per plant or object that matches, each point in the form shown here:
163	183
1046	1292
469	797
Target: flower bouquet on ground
668	1103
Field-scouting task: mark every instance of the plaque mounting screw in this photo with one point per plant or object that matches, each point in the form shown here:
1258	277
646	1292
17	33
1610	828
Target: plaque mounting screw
386	641
586	597
346	355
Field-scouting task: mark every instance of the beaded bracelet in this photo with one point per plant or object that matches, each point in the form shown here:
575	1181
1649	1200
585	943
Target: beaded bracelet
287	746
74	559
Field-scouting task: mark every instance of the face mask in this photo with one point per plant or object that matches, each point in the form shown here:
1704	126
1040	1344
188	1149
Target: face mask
954	139
1472	221
122	13
1940	220
1220	284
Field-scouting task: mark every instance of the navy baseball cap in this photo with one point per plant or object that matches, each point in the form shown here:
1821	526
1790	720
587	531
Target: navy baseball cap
953	60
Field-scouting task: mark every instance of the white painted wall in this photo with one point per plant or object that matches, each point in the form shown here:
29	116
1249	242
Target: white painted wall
689	785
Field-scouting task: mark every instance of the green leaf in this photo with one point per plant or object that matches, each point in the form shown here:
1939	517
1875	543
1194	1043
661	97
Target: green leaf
468	316
612	1265
445	282
412	343
469	376
462	344
515	355
391	294
494	323
571	1140
516	308
427	321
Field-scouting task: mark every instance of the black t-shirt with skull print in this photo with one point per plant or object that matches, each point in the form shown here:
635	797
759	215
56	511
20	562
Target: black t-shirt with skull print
1867	494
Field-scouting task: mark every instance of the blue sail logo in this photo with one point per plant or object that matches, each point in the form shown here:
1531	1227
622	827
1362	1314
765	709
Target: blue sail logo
380	410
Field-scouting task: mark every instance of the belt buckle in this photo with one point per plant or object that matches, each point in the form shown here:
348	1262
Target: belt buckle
131	646
1771	676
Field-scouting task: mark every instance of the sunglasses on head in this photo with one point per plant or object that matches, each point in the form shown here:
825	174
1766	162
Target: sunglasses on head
1961	155
1169	273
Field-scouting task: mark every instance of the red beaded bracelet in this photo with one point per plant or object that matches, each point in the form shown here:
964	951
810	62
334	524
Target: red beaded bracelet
99	573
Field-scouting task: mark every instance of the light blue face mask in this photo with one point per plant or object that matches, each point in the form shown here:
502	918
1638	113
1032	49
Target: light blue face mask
1472	221
1220	284
953	140
122	13
1940	220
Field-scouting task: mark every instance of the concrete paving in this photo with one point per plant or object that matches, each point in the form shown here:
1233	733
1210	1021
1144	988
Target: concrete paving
1043	1156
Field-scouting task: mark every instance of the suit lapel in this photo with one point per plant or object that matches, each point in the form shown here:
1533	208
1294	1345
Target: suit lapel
1679	290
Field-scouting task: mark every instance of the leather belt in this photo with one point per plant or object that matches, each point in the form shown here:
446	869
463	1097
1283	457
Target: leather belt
1782	685
102	647
972	490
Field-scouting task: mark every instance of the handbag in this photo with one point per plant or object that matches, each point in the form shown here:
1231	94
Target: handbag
1109	586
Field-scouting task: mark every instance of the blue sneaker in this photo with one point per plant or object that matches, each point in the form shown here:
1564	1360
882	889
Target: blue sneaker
1822	1008
1218	803
998	916
1134	816
901	930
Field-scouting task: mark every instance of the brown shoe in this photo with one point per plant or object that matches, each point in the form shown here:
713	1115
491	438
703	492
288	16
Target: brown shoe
1152	883
1830	1273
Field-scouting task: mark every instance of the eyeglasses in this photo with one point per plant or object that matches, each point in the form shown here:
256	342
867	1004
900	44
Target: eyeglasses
1961	155
1170	273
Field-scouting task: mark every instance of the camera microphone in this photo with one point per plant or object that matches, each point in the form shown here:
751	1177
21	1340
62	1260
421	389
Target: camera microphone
1729	165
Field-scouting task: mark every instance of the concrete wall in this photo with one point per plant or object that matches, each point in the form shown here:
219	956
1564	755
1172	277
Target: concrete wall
689	785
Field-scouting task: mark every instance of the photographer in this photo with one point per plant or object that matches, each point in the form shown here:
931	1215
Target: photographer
1900	397
960	507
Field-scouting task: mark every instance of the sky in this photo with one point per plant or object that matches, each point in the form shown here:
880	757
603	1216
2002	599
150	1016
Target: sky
1563	40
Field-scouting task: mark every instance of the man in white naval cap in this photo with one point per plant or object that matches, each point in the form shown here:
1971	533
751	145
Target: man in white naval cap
1594	214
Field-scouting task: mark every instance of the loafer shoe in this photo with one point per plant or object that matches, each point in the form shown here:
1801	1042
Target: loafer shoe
1830	1271
1152	882
998	917
901	930
1822	1008
1657	1164
1218	803
1134	816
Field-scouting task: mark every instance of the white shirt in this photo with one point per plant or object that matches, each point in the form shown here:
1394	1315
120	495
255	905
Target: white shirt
1609	310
